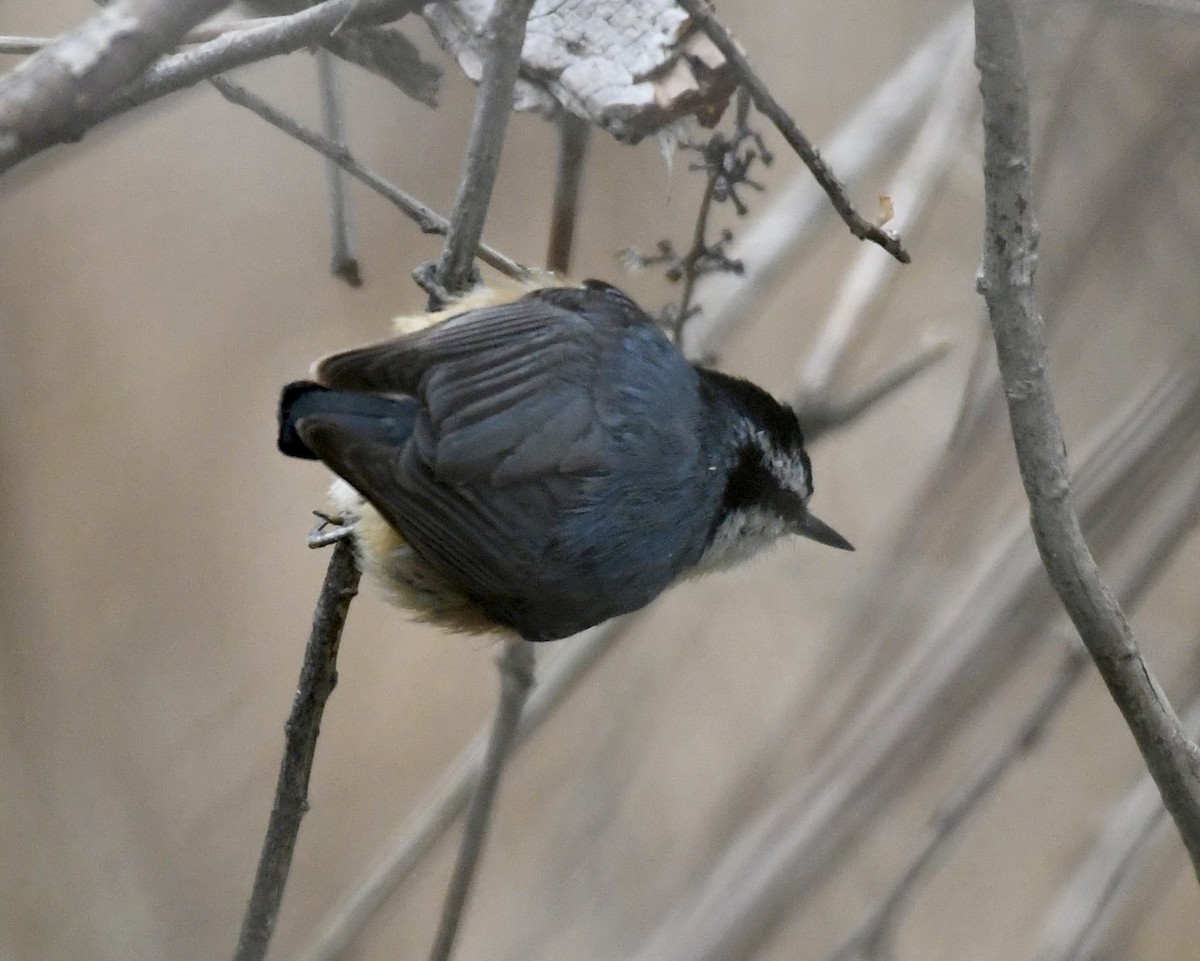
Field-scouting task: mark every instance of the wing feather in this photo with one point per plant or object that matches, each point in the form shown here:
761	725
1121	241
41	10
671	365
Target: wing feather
531	414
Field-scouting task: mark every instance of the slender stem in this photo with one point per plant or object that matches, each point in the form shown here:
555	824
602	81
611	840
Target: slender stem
516	680
317	679
771	244
1006	281
573	133
767	104
504	35
344	262
562	672
425	218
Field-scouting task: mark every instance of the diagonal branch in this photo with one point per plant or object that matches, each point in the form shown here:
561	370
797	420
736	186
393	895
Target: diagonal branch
516	680
1006	282
260	39
317	679
428	220
42	97
767	104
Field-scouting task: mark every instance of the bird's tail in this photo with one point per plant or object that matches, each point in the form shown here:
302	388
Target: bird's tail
374	417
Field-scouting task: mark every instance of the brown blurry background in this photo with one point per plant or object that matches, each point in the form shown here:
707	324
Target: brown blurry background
160	280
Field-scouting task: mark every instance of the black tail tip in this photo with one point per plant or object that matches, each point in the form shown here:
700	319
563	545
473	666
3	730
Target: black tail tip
290	441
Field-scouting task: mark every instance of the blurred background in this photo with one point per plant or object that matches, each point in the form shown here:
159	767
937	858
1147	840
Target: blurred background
751	767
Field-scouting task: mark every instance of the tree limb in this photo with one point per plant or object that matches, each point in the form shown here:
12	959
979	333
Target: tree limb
455	271
1007	285
259	40
42	97
317	679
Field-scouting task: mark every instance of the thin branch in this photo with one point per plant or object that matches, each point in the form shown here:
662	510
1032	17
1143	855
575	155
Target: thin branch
878	925
767	104
344	262
423	216
573	135
201	34
268	37
41	98
505	31
914	189
317	679
771	242
448	800
1007	286
516	678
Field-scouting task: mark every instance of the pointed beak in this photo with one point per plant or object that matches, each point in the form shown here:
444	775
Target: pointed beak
817	530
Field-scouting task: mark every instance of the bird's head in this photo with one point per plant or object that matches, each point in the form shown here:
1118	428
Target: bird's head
767	474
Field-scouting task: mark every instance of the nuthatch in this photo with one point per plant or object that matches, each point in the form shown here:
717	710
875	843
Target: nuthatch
545	464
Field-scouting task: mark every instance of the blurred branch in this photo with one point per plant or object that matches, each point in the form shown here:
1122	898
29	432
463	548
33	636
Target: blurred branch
42	98
913	189
768	105
1151	557
1007	286
573	135
455	271
822	413
877	927
423	216
770	242
317	679
344	262
447	801
967	648
1078	922
516	679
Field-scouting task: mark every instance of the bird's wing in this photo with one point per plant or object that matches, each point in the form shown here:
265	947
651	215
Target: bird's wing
524	389
522	405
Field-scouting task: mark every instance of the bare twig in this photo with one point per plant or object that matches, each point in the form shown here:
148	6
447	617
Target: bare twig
913	190
727	161
516	679
770	243
344	263
42	97
767	104
423	216
317	679
878	925
573	134
448	800
455	271
1007	285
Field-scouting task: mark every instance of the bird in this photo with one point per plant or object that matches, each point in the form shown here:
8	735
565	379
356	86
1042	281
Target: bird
536	463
